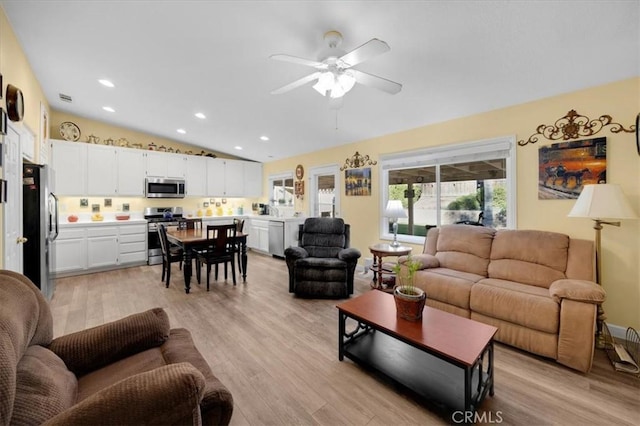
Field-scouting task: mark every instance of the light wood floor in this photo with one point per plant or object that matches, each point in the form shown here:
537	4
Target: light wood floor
278	355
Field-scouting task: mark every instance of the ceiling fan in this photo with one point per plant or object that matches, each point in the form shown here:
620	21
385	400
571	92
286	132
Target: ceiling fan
334	73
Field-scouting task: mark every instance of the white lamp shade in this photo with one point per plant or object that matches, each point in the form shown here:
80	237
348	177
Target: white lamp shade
602	201
394	210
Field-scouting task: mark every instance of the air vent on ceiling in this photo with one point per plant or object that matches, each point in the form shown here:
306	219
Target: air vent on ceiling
65	98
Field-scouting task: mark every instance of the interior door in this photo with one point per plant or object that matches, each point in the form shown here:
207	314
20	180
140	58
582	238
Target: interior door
12	208
325	189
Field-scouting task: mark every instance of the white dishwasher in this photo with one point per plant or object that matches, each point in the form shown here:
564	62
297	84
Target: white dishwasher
276	238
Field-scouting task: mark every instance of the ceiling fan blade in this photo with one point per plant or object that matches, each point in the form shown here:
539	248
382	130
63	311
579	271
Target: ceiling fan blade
301	61
373	47
296	84
376	82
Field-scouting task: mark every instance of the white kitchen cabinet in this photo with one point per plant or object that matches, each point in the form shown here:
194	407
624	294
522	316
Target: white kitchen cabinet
102	246
70	251
132	244
252	179
131	165
69	161
27	144
234	178
196	176
260	231
166	165
291	231
215	177
225	178
176	166
102	170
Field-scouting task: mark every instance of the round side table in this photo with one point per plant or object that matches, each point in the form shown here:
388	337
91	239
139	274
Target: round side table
383	250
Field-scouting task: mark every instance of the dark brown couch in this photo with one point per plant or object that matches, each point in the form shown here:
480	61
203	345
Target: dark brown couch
132	371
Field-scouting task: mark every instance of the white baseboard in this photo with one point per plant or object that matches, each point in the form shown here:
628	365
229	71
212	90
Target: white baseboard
617	331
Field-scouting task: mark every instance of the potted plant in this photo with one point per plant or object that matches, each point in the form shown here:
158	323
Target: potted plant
409	299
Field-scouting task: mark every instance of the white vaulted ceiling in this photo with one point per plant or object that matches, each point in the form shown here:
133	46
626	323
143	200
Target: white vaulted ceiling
171	59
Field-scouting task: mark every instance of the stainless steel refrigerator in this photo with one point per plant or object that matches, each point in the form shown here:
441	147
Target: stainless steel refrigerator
39	227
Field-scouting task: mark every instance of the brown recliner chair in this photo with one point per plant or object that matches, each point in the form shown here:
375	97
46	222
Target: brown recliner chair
132	371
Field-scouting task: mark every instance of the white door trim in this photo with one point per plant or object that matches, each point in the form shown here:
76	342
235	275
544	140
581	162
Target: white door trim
314	173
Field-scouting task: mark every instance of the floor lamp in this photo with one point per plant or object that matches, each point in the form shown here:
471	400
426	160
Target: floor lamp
395	211
598	202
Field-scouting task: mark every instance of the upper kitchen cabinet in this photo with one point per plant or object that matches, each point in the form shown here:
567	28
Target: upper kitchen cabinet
225	178
102	169
69	162
166	165
215	177
252	179
131	164
196	176
234	178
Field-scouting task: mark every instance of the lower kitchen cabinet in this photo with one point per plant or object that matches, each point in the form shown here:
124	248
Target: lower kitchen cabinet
80	249
258	231
70	250
102	247
132	244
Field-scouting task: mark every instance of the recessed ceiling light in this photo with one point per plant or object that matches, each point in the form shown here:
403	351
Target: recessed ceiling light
181	131
264	138
108	108
106	83
200	115
239	148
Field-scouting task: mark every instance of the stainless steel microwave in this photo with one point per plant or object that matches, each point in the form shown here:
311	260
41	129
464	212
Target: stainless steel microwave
164	188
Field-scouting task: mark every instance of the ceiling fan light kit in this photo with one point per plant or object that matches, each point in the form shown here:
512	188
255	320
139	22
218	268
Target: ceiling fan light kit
334	74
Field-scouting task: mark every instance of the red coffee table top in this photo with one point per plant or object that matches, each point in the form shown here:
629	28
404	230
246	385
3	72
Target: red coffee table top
450	335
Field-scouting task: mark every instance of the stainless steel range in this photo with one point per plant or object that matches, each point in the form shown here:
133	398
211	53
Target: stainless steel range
168	216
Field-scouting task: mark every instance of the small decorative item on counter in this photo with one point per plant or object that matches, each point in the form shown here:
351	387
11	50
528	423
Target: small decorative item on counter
199	213
162	148
219	211
240	210
122	216
230	211
97	217
209	211
72	218
109	141
152	146
123	142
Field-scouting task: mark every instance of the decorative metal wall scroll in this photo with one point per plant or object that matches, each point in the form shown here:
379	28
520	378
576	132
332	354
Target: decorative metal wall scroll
574	125
356	161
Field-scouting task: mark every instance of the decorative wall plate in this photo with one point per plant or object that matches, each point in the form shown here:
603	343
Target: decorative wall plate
299	171
15	103
70	131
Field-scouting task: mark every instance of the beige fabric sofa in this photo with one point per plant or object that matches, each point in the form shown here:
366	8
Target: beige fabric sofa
536	287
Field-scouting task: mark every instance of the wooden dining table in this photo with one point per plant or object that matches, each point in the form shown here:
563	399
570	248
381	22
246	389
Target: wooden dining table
188	239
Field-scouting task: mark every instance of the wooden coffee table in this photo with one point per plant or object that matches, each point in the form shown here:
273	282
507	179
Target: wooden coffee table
444	358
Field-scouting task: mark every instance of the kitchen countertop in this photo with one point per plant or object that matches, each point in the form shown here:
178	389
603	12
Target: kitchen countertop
277	218
84	219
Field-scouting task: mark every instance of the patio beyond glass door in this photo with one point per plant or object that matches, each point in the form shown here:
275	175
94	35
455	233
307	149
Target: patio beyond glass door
325	192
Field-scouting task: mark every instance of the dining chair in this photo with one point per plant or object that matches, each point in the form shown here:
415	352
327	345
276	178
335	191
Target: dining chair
219	249
170	254
239	223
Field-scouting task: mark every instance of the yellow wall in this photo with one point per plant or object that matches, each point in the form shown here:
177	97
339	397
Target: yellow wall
621	246
106	131
15	69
